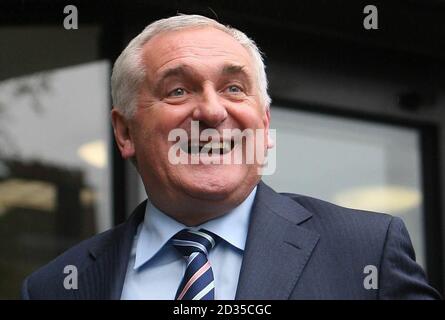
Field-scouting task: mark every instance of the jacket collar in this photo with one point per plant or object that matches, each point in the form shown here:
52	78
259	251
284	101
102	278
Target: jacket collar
106	275
278	247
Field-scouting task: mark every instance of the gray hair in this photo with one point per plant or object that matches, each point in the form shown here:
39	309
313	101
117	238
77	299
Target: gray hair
128	71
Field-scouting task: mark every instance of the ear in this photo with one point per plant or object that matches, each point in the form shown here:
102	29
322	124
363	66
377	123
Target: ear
122	135
266	119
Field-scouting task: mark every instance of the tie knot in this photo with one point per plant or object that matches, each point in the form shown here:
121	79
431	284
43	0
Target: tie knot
189	241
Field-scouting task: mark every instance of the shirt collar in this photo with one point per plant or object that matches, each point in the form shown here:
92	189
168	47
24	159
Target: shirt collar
158	228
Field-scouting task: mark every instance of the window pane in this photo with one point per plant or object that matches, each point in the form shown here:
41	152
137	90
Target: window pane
358	164
54	164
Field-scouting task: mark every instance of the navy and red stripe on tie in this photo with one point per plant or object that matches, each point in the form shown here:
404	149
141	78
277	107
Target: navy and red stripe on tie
198	281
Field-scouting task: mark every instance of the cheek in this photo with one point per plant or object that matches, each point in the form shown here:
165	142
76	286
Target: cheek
249	117
153	128
165	117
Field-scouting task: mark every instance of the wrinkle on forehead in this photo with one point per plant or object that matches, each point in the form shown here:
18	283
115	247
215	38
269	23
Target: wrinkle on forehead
167	47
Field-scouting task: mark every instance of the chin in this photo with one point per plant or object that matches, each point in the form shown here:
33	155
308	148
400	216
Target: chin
212	189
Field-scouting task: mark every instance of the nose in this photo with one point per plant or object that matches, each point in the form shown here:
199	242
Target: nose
209	109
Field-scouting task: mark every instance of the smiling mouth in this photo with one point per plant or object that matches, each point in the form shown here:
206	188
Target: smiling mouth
208	148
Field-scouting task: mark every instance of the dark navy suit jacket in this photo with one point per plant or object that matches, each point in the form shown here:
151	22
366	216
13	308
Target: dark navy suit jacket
297	248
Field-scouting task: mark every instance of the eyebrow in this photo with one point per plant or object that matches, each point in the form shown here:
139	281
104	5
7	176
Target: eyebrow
181	70
240	71
184	71
234	69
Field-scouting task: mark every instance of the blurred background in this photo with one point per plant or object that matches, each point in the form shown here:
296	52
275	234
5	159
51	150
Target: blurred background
359	116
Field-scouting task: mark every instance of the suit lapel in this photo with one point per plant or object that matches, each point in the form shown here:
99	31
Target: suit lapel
277	247
104	277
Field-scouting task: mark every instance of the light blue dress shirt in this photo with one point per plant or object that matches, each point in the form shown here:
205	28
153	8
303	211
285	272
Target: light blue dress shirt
156	268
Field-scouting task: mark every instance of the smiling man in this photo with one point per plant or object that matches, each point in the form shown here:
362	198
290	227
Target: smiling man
195	74
210	228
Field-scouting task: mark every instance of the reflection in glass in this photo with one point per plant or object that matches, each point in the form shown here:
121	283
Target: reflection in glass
353	163
54	168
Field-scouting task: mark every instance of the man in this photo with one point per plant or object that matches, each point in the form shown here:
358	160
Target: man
213	230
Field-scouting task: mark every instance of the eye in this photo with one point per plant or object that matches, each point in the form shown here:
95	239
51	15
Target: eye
178	92
234	89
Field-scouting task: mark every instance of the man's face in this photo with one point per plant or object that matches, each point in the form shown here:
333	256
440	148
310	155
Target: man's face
199	74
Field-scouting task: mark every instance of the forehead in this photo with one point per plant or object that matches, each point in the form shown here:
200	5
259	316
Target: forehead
199	47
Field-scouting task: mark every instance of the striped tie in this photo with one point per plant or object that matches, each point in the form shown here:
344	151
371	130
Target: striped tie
198	282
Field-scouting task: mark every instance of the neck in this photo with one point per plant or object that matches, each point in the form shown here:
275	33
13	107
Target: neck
194	212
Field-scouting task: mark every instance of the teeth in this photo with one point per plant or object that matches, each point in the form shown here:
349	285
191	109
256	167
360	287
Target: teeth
204	147
216	145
